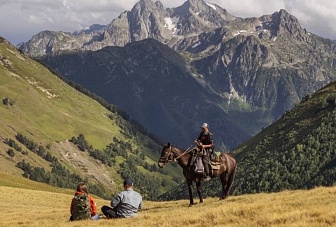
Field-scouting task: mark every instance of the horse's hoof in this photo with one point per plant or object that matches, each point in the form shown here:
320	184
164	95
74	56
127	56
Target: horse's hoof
190	205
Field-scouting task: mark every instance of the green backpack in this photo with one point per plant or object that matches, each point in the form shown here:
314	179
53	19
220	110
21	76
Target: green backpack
81	207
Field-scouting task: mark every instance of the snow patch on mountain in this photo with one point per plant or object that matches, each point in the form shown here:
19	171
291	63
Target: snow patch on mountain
212	6
196	44
171	23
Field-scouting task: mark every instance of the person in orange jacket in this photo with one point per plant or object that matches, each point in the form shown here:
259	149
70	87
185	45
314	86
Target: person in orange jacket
83	190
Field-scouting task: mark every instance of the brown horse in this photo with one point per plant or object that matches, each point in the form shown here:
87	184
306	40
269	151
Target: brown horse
226	170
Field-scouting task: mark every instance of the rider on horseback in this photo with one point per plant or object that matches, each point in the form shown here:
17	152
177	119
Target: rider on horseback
205	142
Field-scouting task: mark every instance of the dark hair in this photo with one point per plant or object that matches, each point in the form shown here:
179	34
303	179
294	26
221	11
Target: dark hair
81	187
128	182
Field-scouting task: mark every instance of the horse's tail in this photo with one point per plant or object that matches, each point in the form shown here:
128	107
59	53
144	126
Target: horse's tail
232	177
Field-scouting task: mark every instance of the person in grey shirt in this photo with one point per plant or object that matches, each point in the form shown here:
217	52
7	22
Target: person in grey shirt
126	204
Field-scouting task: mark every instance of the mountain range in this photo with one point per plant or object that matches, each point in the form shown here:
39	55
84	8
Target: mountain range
175	68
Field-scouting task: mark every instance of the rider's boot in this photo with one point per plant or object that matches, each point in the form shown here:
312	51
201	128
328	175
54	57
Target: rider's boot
206	170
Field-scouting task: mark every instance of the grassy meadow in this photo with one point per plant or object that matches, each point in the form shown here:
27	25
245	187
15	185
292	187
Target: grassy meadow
29	203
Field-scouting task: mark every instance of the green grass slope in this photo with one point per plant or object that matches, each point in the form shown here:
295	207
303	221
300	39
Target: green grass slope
44	105
46	110
12	181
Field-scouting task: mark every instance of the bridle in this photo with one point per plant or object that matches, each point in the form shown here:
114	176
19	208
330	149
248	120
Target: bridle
171	153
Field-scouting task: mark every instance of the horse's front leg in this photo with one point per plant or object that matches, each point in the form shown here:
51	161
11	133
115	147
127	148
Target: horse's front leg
189	183
199	190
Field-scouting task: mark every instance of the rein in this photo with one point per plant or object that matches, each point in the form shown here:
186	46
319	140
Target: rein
170	153
185	152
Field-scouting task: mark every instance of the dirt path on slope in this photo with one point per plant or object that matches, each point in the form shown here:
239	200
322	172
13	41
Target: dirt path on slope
87	165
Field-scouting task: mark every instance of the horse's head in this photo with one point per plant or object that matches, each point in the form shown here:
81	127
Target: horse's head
167	155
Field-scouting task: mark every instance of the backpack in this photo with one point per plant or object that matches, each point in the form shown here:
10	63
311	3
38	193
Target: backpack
81	207
198	164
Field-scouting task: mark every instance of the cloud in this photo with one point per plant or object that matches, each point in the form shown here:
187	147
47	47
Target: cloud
29	17
317	16
250	8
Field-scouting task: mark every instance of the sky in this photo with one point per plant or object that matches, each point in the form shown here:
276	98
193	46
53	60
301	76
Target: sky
21	19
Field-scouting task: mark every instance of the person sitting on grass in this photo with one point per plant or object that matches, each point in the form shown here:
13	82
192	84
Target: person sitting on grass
83	205
126	204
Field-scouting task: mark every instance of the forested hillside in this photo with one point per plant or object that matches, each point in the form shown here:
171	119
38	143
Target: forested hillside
60	134
296	152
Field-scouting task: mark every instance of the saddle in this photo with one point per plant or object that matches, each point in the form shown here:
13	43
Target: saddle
197	163
214	161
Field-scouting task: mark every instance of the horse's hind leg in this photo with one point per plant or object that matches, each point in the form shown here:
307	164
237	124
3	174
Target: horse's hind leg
229	185
224	181
227	182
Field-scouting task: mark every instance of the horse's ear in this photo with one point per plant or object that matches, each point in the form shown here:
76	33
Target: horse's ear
166	145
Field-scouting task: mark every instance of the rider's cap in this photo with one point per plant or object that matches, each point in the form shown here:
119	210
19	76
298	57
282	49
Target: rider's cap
205	125
128	182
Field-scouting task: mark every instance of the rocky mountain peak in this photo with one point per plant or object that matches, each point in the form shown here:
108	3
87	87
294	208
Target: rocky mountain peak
147	7
159	5
196	3
284	22
146	20
49	41
144	4
199	6
4	41
196	17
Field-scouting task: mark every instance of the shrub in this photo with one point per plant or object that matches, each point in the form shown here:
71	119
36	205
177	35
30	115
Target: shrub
10	152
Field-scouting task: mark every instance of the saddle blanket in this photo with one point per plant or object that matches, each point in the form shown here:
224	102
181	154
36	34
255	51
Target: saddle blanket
215	165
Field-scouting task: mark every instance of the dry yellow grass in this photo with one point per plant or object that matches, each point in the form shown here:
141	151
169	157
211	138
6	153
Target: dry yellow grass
317	207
